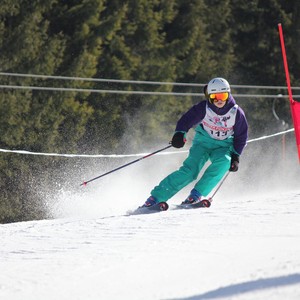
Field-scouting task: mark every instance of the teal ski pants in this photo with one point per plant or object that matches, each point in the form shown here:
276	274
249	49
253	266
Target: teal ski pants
204	148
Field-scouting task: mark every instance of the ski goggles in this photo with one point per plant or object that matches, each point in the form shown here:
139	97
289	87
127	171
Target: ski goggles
219	96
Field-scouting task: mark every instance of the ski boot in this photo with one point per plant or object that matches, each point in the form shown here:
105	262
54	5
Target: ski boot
193	198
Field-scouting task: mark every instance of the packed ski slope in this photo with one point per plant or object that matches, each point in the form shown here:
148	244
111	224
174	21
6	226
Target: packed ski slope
245	246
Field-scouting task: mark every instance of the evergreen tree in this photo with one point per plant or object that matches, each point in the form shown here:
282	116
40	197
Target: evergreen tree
36	121
257	46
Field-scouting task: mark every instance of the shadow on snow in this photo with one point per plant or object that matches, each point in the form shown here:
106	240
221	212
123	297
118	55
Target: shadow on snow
249	286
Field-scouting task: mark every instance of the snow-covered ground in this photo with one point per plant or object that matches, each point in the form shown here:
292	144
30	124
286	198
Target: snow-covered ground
245	246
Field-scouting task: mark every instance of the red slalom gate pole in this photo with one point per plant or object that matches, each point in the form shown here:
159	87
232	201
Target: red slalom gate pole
285	63
123	166
294	105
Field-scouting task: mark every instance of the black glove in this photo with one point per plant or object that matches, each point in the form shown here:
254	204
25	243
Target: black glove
234	164
178	139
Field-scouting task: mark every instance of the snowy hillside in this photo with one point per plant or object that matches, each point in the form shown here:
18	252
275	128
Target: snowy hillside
246	249
245	246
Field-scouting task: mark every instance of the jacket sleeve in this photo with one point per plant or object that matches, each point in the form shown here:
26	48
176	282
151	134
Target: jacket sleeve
192	117
240	132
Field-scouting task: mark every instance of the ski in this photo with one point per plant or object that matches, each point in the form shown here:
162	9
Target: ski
161	206
202	203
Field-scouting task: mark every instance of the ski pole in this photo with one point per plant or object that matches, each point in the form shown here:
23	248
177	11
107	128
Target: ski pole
220	184
123	166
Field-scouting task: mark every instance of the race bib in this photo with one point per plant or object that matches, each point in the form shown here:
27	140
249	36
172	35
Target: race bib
219	127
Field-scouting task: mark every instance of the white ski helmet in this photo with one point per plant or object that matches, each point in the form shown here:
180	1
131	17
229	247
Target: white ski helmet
218	85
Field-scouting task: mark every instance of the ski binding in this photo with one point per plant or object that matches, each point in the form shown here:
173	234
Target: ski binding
202	203
161	206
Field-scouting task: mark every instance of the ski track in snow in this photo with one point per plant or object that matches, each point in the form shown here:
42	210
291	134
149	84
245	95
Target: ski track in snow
246	249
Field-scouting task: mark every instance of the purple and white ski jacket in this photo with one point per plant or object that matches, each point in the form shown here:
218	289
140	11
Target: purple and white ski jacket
197	114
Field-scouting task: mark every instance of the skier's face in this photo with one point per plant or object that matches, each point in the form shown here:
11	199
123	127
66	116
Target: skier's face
219	103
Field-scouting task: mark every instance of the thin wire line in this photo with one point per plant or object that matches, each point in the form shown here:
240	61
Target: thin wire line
126	155
134	92
138	81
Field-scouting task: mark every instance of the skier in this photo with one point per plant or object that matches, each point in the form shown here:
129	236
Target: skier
221	135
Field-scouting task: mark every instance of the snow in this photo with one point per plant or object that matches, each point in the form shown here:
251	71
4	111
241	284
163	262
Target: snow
245	246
